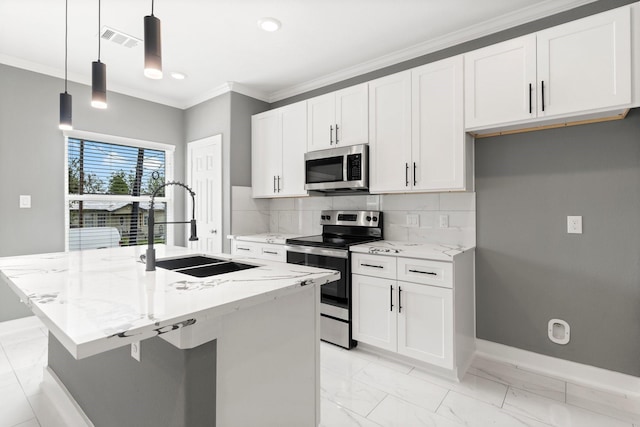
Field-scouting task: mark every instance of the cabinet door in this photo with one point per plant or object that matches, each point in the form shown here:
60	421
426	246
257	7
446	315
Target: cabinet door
374	313
266	152
585	64
498	79
294	145
352	116
390	133
425	323
438	137
321	122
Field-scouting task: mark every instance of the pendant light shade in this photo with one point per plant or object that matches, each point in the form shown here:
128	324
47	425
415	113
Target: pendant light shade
65	112
98	84
98	77
65	98
152	47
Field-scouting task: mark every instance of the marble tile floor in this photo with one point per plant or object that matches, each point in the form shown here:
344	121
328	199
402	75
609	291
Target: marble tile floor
361	389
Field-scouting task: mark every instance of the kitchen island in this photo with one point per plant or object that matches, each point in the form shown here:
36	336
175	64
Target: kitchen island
235	349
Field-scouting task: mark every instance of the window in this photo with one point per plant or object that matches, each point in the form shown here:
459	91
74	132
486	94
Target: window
110	181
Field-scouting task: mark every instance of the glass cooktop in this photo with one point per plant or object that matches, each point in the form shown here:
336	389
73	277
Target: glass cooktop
330	241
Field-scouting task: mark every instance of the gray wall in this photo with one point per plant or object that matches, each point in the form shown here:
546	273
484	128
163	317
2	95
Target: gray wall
529	270
32	157
230	115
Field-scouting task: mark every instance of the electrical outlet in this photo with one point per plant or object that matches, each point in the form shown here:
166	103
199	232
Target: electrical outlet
444	221
413	220
135	350
25	201
574	224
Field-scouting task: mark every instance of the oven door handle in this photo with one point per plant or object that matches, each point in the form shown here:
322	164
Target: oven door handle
312	250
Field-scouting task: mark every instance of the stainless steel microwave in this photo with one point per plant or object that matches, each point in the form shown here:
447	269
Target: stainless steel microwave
338	169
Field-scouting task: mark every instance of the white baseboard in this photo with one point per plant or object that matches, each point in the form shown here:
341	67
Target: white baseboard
68	408
573	372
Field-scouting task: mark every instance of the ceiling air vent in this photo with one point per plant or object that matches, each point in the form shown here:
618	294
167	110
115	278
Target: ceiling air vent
119	37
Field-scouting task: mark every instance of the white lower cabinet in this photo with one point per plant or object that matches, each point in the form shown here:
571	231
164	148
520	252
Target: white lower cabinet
415	318
269	251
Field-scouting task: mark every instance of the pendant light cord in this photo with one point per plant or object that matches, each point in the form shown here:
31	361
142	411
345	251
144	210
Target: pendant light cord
99	31
66	32
151	7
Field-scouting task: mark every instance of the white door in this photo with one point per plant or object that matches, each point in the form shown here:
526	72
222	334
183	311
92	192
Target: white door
425	323
500	83
438	137
266	153
374	311
294	138
390	133
204	176
585	64
352	115
322	122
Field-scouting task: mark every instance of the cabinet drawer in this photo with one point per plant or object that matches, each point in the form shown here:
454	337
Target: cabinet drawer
374	265
426	272
246	249
273	253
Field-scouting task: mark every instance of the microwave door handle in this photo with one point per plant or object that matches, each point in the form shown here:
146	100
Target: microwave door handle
345	168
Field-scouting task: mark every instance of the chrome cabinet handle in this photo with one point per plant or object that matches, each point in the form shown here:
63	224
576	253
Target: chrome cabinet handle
274	183
336	133
399	299
431	273
330	134
279	184
271	252
391	297
371	265
243	249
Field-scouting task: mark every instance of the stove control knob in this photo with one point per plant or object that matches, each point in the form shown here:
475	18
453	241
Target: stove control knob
368	219
328	217
323	216
375	218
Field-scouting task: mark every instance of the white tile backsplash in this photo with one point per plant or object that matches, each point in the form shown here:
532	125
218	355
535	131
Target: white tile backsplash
302	214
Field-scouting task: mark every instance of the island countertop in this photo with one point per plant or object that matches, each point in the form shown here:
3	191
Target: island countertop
98	300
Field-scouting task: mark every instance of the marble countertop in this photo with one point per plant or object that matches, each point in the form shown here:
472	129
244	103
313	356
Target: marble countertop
439	252
101	299
279	238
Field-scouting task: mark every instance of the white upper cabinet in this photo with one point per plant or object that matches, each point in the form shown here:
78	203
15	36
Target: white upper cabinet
437	137
277	151
339	118
585	64
390	133
417	139
580	67
499	82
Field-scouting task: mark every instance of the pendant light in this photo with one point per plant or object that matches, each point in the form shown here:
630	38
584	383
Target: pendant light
152	46
98	76
65	98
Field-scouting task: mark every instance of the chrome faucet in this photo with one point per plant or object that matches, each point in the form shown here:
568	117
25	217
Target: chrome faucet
151	252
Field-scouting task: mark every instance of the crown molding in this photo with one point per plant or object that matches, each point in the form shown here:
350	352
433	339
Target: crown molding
500	23
224	88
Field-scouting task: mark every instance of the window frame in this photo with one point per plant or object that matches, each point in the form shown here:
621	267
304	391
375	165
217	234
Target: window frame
169	199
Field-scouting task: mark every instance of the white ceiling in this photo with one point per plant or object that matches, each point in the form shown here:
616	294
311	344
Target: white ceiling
218	41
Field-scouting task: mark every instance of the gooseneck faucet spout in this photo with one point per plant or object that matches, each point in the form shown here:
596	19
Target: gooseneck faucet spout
151	252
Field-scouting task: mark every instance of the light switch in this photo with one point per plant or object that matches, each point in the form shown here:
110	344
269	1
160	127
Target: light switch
444	221
574	224
413	220
25	201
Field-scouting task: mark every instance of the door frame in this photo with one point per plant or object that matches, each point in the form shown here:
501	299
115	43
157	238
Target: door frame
217	142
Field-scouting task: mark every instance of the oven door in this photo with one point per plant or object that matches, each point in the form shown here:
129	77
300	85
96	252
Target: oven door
335	293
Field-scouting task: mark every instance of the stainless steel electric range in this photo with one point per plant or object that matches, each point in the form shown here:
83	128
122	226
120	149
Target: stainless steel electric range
340	229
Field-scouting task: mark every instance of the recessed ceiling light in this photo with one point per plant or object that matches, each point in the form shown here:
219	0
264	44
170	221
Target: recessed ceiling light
269	24
178	76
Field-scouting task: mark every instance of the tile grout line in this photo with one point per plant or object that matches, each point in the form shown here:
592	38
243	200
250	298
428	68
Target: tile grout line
377	404
442	400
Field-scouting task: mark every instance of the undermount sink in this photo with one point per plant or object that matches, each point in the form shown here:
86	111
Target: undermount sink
202	266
